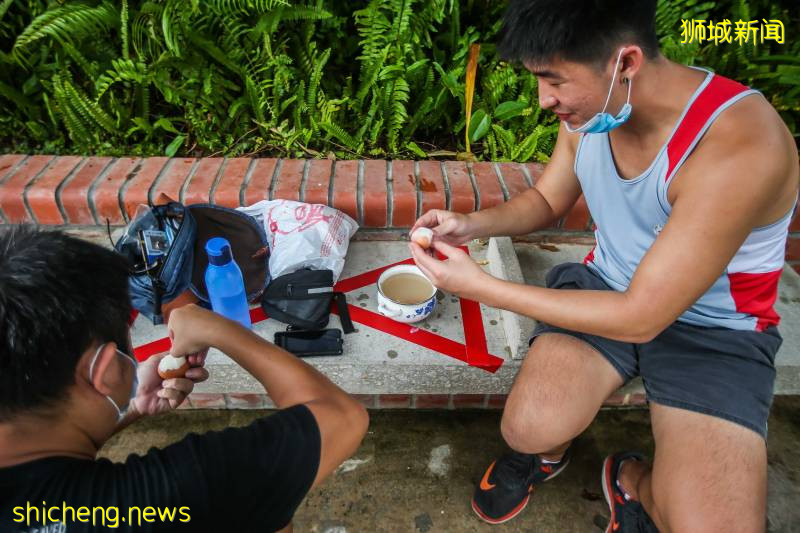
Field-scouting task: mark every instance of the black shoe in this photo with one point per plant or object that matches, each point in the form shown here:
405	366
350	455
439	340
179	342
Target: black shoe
627	516
507	484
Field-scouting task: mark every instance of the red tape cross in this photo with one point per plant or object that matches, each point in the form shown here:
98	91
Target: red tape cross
474	351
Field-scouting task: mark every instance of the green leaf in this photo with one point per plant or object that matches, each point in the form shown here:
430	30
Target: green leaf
176	143
166	125
508	110
416	150
479	125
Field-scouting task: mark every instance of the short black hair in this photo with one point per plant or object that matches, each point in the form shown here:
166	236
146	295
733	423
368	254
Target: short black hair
58	295
583	31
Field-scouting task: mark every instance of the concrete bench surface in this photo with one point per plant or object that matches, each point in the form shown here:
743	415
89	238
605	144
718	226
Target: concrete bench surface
386	372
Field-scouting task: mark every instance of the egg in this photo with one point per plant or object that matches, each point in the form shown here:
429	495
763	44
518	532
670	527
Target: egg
172	367
423	237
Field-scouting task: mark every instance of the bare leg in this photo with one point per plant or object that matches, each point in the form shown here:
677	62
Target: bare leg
562	384
709	474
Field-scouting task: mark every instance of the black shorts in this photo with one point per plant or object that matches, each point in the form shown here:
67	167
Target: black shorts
721	372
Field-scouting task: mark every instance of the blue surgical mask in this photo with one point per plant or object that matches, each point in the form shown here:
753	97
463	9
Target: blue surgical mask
121	413
603	122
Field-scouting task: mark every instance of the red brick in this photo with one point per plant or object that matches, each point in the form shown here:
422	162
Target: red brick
490	193
106	192
171	182
578	217
793	248
496	401
462	195
318	181
432	401
345	187
394	401
8	162
201	400
367	400
404	194
535	171
796	267
13	188
431	183
244	401
198	189
288	186
228	189
41	194
137	189
375	206
74	196
514	178
468	401
260	181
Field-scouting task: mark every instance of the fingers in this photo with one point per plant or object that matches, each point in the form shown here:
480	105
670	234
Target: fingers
446	249
428	220
182	385
197	374
173	396
425	262
197	359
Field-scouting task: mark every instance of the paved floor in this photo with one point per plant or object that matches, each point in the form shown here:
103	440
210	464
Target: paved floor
416	470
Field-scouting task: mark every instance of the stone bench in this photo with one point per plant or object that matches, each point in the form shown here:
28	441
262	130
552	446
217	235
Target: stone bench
81	194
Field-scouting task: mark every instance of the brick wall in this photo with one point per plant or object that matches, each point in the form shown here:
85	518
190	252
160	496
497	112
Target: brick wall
378	194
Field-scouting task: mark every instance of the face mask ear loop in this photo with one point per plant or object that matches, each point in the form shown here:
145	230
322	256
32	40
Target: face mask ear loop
628	82
613	77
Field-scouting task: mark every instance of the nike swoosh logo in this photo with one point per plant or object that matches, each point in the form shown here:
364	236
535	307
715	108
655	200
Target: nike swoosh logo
485	485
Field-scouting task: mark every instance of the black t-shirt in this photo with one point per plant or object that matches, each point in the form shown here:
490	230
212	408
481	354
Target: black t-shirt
240	479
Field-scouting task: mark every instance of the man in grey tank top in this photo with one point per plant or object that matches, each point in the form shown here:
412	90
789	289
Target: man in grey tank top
691	179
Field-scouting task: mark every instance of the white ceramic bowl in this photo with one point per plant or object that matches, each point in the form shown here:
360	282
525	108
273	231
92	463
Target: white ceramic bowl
406	313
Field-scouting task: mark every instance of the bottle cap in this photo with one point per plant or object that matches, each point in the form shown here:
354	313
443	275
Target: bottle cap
219	251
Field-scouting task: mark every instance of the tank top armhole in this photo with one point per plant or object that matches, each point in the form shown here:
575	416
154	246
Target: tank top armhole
663	187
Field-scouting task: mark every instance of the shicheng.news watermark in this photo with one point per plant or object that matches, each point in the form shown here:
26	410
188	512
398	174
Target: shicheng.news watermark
742	32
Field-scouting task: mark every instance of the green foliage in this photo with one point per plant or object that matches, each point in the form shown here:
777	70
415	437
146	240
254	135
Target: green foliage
311	78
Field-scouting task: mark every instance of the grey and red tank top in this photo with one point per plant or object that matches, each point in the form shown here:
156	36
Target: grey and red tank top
630	213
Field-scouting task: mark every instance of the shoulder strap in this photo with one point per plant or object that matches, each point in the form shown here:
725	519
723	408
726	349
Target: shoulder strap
721	92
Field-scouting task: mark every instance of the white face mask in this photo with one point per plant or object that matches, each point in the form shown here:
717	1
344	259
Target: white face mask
135	385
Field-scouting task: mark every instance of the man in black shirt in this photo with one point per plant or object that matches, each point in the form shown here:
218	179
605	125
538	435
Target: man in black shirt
68	382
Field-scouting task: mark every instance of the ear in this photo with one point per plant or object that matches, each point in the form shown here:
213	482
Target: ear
630	63
104	364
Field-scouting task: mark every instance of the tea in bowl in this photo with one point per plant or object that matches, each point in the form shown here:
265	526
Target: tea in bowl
405	294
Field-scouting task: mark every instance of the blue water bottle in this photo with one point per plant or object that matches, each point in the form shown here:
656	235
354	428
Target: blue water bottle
225	284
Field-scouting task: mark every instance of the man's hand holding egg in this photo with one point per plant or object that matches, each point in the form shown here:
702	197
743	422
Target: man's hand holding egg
423	237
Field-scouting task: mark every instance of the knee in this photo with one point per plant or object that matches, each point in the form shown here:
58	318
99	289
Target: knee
532	430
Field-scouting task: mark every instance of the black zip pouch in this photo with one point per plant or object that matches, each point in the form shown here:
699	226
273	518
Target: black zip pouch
303	299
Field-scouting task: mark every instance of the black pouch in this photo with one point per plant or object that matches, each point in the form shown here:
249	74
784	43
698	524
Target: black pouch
303	300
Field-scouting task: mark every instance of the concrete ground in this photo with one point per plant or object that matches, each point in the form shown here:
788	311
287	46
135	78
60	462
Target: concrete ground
416	470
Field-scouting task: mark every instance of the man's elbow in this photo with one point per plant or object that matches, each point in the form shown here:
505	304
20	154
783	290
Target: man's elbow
646	331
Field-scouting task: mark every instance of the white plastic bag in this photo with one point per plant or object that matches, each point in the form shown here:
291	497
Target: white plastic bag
303	235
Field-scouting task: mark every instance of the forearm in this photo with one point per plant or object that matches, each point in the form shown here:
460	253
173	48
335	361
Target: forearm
609	314
287	379
523	214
